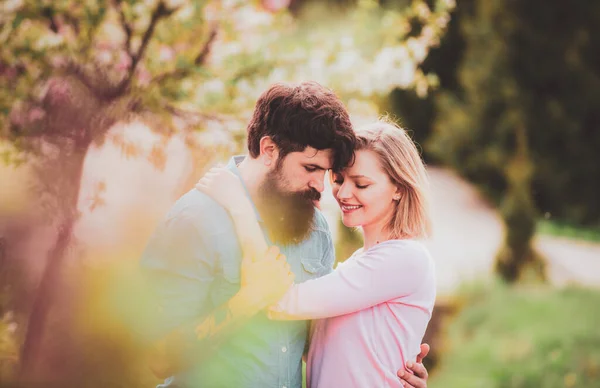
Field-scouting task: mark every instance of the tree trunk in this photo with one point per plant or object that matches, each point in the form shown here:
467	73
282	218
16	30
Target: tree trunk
519	215
50	279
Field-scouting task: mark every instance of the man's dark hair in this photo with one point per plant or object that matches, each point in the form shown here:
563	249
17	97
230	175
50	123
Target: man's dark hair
297	116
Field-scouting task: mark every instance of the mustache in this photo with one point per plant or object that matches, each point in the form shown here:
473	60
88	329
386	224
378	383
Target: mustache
311	195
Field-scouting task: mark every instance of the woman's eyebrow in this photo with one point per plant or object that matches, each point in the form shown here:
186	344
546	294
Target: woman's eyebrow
358	176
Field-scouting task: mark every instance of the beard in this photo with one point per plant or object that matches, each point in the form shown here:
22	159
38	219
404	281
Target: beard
287	215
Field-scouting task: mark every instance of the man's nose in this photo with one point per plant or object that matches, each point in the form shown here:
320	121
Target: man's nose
318	183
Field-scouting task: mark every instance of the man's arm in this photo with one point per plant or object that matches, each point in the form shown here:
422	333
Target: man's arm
419	376
178	264
263	283
178	267
196	341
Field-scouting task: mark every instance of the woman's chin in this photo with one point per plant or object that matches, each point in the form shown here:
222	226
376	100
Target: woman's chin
349	223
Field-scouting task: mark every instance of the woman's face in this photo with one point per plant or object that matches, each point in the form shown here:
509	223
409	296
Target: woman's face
364	192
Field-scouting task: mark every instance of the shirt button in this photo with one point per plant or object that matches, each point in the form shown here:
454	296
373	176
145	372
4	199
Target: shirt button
284	349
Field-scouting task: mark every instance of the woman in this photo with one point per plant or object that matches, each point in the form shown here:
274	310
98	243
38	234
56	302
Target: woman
381	298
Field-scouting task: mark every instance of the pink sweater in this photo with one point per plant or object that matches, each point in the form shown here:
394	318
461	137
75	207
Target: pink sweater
372	314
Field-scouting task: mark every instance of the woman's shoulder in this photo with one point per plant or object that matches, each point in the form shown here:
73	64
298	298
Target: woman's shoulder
401	253
396	246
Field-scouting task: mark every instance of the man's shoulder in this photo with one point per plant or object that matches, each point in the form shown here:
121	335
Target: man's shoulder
198	208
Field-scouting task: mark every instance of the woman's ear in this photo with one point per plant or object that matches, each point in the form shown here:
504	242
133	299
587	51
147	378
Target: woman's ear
269	152
397	194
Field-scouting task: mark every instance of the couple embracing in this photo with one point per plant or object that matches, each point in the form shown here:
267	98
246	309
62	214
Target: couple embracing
241	268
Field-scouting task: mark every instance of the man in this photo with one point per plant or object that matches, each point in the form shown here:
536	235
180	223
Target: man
209	300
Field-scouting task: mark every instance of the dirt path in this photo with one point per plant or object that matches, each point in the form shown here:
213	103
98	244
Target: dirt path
468	232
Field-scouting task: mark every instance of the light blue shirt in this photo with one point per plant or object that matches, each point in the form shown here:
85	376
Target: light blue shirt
193	260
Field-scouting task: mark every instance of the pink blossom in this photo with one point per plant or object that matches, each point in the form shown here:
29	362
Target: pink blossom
143	76
275	5
8	72
58	91
17	117
36	114
57	61
166	54
124	62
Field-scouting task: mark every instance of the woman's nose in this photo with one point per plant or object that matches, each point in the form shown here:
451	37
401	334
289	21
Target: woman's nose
344	192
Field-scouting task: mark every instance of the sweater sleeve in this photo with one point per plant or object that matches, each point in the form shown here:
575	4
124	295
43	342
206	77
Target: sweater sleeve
387	271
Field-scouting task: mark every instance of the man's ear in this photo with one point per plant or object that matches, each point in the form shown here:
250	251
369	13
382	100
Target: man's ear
269	152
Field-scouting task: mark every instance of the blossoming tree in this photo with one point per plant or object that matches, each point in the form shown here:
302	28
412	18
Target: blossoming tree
70	70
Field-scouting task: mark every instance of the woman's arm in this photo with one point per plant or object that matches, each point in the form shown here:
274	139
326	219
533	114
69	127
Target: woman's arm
227	189
384	272
249	232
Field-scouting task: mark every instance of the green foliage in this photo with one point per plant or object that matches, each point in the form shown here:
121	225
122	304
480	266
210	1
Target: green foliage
9	353
208	60
348	241
418	113
560	229
523	337
536	60
483	131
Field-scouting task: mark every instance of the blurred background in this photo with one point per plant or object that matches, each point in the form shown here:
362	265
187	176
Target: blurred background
111	109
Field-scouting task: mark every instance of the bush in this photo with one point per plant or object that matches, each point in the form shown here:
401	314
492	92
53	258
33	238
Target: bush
523	337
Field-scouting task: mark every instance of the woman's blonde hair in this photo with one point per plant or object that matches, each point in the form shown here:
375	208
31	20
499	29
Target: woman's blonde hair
400	159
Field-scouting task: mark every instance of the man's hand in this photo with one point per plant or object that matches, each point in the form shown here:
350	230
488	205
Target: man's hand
420	376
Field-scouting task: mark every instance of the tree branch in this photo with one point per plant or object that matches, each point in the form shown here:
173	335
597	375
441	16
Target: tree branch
48	12
126	26
198	61
190	117
64	17
73	21
203	54
161	11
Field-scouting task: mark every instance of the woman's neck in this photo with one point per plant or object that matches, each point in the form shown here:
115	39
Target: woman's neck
373	235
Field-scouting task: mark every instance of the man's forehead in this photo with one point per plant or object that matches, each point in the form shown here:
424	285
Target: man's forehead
322	158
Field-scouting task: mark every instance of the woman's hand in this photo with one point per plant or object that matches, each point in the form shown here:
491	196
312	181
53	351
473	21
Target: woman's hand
264	281
226	188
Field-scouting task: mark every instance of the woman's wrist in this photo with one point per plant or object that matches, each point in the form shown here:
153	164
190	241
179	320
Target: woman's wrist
246	303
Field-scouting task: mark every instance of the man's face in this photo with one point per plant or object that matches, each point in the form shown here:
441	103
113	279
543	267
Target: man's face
290	191
303	171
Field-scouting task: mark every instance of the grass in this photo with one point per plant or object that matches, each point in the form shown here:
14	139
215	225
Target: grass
522	337
554	228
